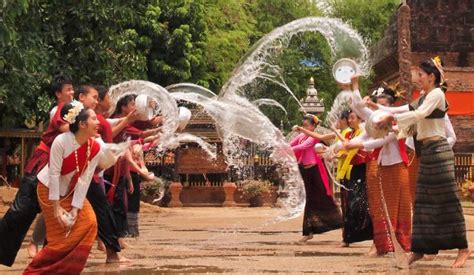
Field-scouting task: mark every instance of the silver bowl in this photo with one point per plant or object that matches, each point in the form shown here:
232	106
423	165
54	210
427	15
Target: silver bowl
343	70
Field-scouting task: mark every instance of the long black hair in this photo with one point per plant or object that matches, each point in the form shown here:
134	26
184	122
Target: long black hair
81	117
429	67
312	119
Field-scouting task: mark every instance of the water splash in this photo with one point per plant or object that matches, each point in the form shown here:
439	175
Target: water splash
236	125
190	88
342	39
169	139
270	102
257	65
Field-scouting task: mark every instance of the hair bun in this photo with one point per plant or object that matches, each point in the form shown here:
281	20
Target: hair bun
443	85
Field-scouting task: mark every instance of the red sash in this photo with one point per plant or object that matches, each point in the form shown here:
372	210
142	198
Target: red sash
70	165
361	156
403	151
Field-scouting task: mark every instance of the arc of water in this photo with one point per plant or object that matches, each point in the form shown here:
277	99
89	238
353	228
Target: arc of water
236	118
335	31
267	101
169	109
190	88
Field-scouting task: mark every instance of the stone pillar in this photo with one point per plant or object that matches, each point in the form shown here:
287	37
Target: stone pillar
404	50
229	190
175	189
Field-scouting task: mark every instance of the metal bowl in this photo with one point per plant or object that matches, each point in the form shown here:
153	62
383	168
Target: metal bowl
142	103
343	70
375	131
183	118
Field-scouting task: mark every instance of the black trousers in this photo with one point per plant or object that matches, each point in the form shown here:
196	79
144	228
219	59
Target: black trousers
119	207
18	219
107	230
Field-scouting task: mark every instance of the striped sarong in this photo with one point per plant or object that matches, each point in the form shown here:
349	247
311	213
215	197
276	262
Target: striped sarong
64	255
438	220
412	172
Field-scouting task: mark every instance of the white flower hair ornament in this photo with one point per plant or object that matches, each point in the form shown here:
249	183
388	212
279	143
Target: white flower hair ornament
378	92
71	115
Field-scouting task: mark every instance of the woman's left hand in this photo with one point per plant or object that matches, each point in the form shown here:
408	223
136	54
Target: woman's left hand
74	212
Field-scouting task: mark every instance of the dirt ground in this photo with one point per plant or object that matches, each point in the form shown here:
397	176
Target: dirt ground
244	240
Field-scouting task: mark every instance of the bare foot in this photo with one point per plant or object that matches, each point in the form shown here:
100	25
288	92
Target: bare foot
124	244
114	257
32	249
372	252
462	257
343	244
100	245
306	238
414	257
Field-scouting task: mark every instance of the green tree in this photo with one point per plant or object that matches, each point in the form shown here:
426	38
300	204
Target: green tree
368	17
175	32
100	42
231	29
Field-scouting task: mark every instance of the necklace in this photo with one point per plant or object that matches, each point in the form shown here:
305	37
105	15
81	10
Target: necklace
87	155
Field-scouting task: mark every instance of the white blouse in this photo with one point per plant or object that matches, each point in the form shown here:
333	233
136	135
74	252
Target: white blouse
448	127
390	152
425	128
63	145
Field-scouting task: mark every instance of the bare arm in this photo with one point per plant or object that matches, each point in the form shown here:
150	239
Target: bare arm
117	128
316	135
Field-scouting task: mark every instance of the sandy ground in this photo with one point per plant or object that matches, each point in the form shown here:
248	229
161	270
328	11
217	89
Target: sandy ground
244	240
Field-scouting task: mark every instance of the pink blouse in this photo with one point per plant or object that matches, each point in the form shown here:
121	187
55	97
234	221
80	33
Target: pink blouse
303	147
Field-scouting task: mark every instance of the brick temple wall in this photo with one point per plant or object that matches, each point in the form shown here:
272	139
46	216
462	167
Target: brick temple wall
438	27
443	26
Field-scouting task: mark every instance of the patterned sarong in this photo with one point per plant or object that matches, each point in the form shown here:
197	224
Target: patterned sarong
321	213
357	222
438	220
64	254
396	194
413	166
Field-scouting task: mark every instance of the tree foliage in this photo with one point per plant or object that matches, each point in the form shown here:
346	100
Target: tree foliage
368	17
164	41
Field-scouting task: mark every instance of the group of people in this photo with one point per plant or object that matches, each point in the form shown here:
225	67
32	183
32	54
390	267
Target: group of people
398	190
84	178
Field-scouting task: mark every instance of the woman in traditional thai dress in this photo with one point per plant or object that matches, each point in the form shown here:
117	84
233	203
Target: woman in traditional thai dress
413	154
71	225
354	202
119	175
321	213
390	184
438	220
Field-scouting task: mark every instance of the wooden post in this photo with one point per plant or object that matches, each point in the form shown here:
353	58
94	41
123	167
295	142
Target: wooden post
404	50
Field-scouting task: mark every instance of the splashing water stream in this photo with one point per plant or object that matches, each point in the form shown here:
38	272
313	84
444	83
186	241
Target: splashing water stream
237	119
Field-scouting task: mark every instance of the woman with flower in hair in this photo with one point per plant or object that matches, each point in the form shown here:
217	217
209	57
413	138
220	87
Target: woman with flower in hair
71	226
438	220
321	213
